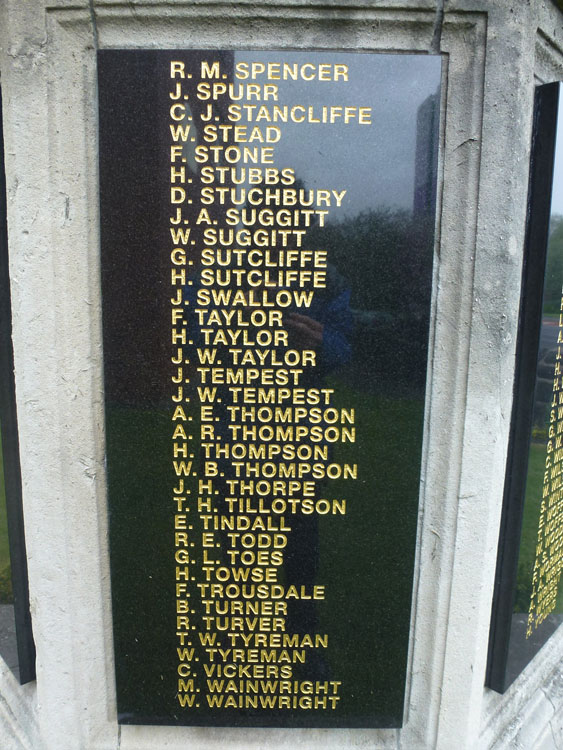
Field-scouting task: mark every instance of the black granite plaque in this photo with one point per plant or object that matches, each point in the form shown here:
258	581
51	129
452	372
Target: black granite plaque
267	241
527	607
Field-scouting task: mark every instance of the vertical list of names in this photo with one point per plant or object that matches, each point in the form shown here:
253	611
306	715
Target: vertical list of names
184	440
548	561
257	321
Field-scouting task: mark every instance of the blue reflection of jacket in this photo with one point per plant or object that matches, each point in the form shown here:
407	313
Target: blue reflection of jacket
329	306
336	318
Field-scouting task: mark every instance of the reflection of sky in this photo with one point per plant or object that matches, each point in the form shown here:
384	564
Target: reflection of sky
557	195
374	163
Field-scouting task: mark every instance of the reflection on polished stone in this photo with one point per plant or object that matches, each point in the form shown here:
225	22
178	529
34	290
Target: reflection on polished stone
267	245
528	606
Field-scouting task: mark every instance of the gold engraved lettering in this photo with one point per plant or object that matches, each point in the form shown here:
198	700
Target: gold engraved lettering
254	429
548	563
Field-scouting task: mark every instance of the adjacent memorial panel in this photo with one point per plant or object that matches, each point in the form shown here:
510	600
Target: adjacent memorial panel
267	242
528	605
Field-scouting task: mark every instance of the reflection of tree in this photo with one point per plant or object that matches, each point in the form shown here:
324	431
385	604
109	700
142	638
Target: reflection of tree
554	269
380	255
385	256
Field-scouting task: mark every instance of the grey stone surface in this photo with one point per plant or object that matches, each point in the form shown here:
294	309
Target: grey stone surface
8	645
493	55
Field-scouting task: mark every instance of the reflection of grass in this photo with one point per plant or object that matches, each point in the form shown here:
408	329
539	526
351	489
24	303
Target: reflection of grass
367	556
527	553
6	596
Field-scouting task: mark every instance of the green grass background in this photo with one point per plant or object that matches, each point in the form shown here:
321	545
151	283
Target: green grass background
537	453
527	555
365	558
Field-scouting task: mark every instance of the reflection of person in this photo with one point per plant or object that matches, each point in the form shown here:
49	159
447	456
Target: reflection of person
307	332
327	325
